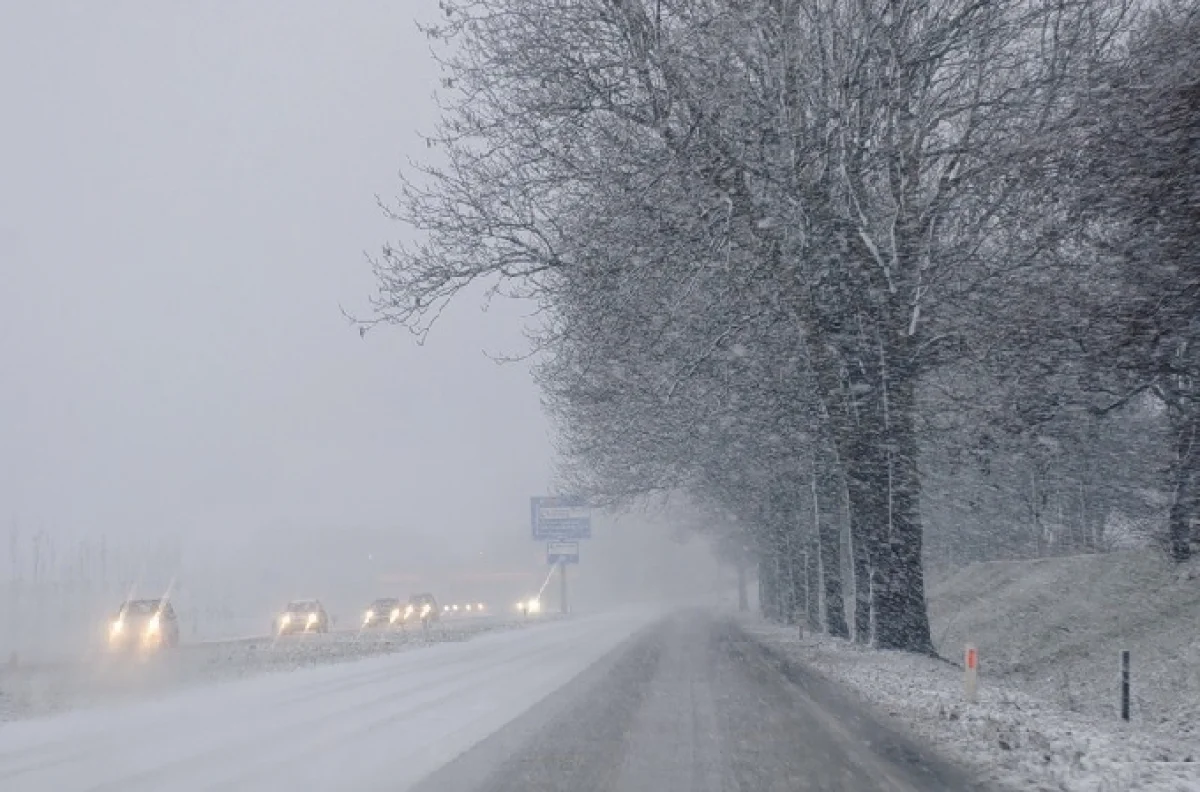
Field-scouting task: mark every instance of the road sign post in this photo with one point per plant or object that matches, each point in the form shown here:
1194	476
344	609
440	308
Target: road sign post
562	553
562	577
562	518
560	522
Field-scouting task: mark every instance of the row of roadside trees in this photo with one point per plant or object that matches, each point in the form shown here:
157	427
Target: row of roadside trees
807	261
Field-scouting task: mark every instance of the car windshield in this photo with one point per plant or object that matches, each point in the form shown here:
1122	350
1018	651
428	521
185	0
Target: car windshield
141	607
385	603
303	606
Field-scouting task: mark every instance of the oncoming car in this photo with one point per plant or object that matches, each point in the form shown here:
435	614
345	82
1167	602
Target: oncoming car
386	612
302	616
425	607
144	624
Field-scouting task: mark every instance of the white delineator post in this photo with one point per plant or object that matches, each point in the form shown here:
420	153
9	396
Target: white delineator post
971	672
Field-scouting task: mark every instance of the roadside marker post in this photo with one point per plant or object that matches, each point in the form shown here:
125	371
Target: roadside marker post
971	672
1124	684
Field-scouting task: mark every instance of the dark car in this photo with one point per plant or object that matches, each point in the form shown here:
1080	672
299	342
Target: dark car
302	616
144	624
425	607
385	612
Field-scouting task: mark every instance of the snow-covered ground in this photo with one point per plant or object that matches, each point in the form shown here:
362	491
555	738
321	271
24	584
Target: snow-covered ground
1012	739
93	678
1054	628
379	723
1048	634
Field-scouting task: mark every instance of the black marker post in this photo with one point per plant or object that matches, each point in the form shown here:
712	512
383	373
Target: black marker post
1124	684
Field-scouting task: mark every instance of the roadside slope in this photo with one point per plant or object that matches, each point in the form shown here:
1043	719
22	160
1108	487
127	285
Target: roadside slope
1054	627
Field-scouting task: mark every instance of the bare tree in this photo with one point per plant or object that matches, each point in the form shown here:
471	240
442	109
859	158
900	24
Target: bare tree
753	229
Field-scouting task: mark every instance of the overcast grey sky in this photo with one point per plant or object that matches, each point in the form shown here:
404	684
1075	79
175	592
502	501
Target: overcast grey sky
186	193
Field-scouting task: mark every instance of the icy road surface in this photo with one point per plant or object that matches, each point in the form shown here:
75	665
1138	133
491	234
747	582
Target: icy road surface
619	702
97	678
375	724
693	706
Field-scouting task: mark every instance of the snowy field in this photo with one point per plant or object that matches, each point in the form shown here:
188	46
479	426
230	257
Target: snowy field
379	723
93	677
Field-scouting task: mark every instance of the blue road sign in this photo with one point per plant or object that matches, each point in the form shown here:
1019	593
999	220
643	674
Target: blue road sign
562	553
560	518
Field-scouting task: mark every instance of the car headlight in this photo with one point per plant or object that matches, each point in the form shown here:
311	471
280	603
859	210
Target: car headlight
395	614
534	605
152	625
368	615
117	627
479	606
312	618
408	610
285	620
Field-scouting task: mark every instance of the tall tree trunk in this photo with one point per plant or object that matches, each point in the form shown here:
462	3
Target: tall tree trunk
794	548
743	599
861	558
830	543
1185	507
868	515
901	614
767	600
812	581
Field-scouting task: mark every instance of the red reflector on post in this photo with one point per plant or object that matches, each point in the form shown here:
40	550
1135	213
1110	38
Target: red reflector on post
972	658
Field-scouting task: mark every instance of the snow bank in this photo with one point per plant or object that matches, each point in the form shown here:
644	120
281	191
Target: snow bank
1054	629
1012	739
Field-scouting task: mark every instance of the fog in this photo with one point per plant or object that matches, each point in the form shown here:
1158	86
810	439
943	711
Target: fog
188	191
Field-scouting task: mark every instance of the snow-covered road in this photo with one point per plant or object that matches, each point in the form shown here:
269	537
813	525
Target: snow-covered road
96	678
622	702
380	723
694	706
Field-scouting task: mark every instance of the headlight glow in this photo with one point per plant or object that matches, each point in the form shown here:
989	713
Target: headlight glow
285	620
312	618
116	627
368	615
395	614
534	605
152	625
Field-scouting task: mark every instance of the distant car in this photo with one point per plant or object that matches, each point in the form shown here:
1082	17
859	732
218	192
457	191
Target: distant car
386	612
144	624
302	616
425	607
